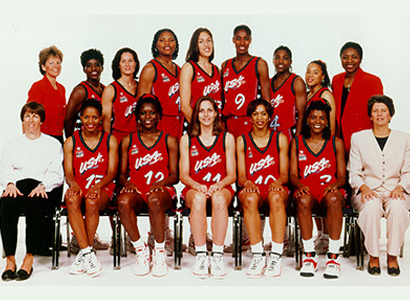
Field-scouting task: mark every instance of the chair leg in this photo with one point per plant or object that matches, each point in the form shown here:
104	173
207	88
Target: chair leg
68	238
177	240
291	237
116	240
56	241
359	247
123	244
298	254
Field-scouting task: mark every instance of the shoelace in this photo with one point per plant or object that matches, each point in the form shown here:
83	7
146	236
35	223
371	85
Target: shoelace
218	262
202	261
255	261
92	262
272	263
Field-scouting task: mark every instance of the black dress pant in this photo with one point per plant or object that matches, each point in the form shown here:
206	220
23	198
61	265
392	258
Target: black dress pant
39	218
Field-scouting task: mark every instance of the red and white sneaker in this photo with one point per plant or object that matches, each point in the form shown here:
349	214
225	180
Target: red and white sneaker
159	265
310	265
142	261
332	266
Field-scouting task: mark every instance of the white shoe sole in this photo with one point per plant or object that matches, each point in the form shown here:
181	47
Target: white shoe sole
78	272
201	276
219	277
95	273
141	274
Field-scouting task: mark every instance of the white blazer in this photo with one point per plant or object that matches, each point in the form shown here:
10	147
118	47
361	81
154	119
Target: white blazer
369	165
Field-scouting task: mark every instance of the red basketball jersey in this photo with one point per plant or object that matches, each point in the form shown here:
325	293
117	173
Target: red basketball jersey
262	165
316	169
147	165
90	93
318	95
283	101
123	109
166	88
90	166
203	84
207	165
239	86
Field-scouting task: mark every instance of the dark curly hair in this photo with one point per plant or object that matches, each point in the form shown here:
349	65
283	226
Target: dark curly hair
91	54
91	102
321	105
255	103
282	47
154	49
148	98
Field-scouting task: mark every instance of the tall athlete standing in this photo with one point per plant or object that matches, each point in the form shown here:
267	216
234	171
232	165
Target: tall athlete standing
90	165
120	97
318	173
242	77
92	61
207	169
151	158
288	95
199	76
160	77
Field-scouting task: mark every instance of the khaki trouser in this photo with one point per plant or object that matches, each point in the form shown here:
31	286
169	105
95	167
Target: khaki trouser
396	212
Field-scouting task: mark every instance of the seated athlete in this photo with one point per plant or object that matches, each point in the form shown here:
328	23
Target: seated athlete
207	169
90	165
149	159
318	173
263	170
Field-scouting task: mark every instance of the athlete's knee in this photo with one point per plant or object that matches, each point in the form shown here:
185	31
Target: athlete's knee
249	201
304	203
276	200
155	202
219	200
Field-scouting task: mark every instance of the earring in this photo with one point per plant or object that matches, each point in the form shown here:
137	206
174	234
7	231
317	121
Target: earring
139	121
322	81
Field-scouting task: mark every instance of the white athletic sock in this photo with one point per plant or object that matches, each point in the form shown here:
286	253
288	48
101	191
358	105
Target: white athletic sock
308	245
334	245
257	248
277	248
201	248
86	250
139	243
159	245
216	248
325	236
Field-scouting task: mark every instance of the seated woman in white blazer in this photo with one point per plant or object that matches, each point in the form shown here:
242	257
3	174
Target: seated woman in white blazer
379	167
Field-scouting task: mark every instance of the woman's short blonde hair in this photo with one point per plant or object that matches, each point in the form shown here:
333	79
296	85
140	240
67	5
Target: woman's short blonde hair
46	53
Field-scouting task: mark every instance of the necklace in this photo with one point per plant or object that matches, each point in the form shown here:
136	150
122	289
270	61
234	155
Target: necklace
349	85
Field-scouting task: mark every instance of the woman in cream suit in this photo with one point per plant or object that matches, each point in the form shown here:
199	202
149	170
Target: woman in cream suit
379	168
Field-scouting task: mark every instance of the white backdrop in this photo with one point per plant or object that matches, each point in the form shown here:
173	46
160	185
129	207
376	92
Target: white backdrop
385	40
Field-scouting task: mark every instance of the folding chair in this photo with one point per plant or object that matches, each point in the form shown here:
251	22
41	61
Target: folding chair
111	211
172	212
184	211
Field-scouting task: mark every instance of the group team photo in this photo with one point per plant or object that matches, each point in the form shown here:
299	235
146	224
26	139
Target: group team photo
281	114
